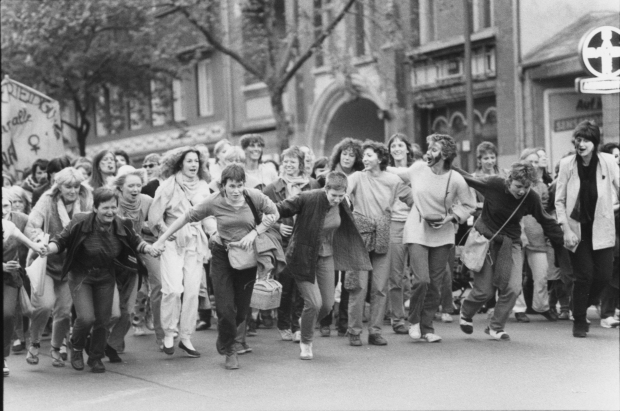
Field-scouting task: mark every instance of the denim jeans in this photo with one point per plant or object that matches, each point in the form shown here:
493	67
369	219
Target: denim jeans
318	297
539	265
119	326
56	300
378	295
485	285
9	296
291	304
233	293
429	271
592	269
398	273
343	306
93	295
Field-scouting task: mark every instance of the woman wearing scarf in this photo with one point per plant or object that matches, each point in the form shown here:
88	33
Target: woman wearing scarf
502	269
586	198
53	213
183	187
292	181
36	178
443	194
132	206
13	257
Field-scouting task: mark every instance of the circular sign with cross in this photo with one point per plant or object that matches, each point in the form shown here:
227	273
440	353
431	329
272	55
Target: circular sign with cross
600	52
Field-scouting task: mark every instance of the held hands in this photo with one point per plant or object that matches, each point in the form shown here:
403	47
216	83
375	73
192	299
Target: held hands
570	238
246	242
40	249
286	230
269	219
152	251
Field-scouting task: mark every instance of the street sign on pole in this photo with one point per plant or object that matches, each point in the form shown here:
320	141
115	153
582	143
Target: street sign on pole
599	51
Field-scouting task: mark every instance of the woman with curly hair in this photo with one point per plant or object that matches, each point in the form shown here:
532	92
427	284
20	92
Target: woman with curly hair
36	178
441	197
507	201
104	169
52	213
347	156
184	185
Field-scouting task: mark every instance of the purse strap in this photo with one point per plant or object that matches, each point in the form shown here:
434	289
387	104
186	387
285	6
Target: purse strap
511	215
252	207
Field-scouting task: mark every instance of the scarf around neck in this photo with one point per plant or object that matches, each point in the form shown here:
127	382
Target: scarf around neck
131	211
585	205
190	187
294	185
64	214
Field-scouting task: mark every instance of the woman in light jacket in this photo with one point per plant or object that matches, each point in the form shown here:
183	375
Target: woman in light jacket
184	186
586	197
52	213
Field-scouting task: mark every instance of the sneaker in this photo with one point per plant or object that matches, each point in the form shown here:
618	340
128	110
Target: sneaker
498	335
446	318
522	318
467	325
355	340
57	360
139	331
564	316
77	359
306	351
287	335
414	331
431	338
202	325
325	331
376	339
400	328
18	346
242	348
32	357
297	336
96	366
5	370
609	322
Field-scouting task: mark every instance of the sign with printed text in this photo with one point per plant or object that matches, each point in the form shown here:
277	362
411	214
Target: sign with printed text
599	50
31	127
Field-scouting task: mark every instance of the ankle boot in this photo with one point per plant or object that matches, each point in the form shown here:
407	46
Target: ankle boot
232	362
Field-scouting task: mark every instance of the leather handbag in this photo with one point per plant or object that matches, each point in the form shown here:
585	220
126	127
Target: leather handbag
240	258
477	246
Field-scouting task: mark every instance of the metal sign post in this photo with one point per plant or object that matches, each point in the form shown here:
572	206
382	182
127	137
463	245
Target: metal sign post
599	50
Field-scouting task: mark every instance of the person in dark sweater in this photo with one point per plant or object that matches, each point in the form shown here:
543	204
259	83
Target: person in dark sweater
503	269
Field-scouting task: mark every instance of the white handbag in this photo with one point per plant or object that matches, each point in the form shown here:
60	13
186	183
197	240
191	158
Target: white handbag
266	294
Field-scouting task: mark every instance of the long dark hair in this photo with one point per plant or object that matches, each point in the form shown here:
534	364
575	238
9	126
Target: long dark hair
96	179
347	143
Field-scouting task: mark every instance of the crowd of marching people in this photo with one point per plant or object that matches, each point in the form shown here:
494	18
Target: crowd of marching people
93	248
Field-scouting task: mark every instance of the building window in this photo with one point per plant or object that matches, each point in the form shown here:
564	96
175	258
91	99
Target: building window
178	104
111	112
319	56
360	35
161	101
136	111
483	14
205	88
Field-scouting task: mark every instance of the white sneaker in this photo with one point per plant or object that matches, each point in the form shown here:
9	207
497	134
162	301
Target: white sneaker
498	335
306	351
139	331
287	335
414	331
431	338
446	318
609	322
297	337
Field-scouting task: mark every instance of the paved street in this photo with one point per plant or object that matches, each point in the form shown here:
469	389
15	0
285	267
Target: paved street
543	367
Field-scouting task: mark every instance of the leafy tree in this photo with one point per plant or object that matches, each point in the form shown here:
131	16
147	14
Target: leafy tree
73	50
270	49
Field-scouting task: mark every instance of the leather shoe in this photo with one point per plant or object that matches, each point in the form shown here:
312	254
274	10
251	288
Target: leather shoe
550	315
112	354
96	366
190	353
77	359
376	339
355	340
169	350
522	318
400	329
232	362
580	329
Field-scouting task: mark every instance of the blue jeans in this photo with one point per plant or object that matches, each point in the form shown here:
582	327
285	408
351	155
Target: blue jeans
291	304
318	297
233	293
93	294
119	326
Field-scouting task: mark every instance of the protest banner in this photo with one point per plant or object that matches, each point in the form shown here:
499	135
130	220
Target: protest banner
31	127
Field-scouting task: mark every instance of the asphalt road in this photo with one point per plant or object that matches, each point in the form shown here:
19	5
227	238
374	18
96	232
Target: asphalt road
543	367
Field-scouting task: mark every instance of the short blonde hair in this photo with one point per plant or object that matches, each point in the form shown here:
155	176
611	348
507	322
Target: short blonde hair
234	153
68	175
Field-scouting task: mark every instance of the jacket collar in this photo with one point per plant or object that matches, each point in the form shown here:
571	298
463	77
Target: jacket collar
280	186
117	225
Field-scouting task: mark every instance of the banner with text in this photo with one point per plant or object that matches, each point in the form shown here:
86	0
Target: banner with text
31	127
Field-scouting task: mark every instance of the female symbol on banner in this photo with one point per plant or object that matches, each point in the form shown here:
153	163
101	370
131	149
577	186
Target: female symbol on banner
34	142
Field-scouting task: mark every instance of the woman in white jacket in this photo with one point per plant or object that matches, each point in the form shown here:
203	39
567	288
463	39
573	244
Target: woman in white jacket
587	195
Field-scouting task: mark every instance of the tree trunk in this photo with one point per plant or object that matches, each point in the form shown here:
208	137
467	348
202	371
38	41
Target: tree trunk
82	134
283	127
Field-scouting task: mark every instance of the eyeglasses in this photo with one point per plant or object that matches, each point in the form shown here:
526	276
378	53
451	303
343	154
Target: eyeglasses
150	165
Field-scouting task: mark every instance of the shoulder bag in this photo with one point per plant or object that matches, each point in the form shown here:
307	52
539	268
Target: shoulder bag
477	246
239	258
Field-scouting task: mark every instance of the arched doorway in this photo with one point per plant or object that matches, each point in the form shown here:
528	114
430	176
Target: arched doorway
358	119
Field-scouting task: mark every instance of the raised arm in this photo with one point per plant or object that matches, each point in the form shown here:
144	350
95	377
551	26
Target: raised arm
480	184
